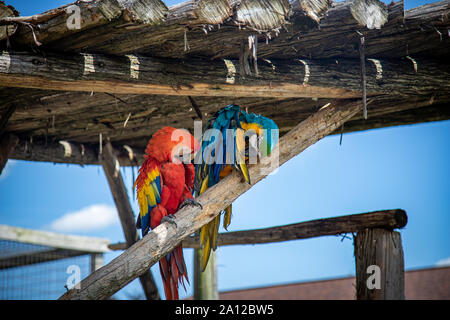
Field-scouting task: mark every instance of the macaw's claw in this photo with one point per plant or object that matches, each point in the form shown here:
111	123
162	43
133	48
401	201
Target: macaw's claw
169	218
190	202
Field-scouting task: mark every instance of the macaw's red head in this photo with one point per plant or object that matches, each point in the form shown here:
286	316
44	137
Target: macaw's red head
170	144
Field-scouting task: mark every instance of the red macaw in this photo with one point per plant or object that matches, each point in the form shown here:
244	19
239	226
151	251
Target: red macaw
164	185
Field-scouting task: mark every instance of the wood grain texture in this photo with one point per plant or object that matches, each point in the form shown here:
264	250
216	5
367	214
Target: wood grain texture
102	18
79	153
383	249
405	33
328	78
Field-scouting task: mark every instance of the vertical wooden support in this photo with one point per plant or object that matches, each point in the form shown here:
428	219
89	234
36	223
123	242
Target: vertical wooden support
205	283
7	145
111	167
379	265
96	261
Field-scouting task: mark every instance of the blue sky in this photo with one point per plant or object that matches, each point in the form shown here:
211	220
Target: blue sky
402	167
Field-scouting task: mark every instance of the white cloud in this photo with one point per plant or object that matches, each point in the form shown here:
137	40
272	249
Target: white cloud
94	217
443	262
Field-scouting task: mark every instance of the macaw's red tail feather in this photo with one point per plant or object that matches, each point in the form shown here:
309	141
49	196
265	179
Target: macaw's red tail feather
164	269
181	265
173	271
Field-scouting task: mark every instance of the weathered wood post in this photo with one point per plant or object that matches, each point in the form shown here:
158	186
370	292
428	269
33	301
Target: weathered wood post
7	145
96	261
111	167
379	265
205	283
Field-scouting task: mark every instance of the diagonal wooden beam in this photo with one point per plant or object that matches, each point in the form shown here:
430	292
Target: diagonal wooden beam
160	241
111	167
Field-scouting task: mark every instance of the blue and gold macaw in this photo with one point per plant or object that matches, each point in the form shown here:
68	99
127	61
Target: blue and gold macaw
225	148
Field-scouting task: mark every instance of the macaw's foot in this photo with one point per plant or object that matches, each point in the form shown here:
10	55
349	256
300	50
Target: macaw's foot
169	218
190	202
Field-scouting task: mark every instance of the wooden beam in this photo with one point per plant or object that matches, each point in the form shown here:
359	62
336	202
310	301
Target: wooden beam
54	240
111	167
105	22
38	256
387	219
7	145
379	265
6	115
168	40
314	9
106	17
7	11
163	239
301	78
71	152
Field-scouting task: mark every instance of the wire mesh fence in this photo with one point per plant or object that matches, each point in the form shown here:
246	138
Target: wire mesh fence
30	272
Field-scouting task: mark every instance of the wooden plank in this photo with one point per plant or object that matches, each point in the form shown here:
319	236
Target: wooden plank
388	219
71	152
111	168
160	241
54	240
301	78
379	265
33	257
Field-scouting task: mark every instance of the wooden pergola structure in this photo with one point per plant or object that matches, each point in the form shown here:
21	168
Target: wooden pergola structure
90	82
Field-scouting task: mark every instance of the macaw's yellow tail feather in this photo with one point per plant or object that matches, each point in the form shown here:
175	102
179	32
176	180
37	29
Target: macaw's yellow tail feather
227	217
215	232
204	184
206	251
208	239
